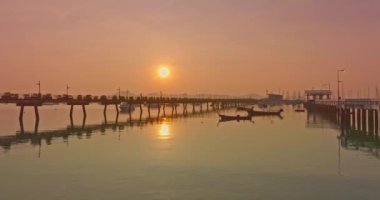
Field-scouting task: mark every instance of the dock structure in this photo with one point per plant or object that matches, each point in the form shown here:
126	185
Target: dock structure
355	114
350	137
161	102
84	130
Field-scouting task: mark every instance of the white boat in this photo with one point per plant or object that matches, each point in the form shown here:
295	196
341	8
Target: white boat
124	107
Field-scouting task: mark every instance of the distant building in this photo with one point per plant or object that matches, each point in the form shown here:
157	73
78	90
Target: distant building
318	94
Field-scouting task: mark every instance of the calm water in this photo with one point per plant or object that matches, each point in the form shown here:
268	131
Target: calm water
181	158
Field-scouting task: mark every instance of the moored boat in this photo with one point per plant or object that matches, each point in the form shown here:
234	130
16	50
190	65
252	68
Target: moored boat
253	112
126	108
264	113
237	117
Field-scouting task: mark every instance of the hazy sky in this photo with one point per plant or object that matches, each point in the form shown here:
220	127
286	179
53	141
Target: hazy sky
213	46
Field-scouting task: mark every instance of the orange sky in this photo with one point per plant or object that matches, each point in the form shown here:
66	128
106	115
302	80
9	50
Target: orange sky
211	46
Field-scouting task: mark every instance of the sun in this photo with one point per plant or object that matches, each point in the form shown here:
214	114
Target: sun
164	72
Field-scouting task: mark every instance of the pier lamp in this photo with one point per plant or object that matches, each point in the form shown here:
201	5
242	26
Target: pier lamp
339	81
39	88
67	90
119	92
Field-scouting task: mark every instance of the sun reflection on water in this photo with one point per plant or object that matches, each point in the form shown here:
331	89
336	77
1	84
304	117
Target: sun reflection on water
164	131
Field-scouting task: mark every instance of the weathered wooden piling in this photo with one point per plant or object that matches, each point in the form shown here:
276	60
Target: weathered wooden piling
359	119
371	122
117	109
21	119
364	120
353	118
376	118
36	113
84	111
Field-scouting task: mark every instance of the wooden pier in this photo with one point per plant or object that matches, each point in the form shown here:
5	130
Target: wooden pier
204	104
80	131
355	114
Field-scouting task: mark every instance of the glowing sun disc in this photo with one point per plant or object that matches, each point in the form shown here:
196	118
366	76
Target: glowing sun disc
164	72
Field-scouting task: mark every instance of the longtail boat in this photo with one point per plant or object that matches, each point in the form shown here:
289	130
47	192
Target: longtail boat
237	117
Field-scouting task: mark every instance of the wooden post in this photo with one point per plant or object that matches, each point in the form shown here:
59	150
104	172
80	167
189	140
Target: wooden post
159	111
364	120
376	123
353	117
21	119
105	110
36	113
117	109
105	113
84	122
36	126
71	111
84	111
149	110
371	122
359	119
348	117
21	116
37	119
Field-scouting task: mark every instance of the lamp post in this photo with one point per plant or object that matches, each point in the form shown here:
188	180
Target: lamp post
67	90
39	88
338	72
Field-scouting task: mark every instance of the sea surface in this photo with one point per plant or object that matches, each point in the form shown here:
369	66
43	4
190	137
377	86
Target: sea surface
296	156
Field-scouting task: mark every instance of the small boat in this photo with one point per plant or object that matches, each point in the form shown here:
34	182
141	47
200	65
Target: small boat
252	112
126	108
237	117
264	113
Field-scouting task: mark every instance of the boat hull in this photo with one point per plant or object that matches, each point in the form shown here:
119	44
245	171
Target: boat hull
233	118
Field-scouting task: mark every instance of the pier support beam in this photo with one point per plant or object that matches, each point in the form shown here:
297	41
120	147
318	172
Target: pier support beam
21	119
364	120
84	112
105	110
185	107
359	119
376	116
37	119
36	113
371	122
149	110
159	111
353	117
71	111
117	109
